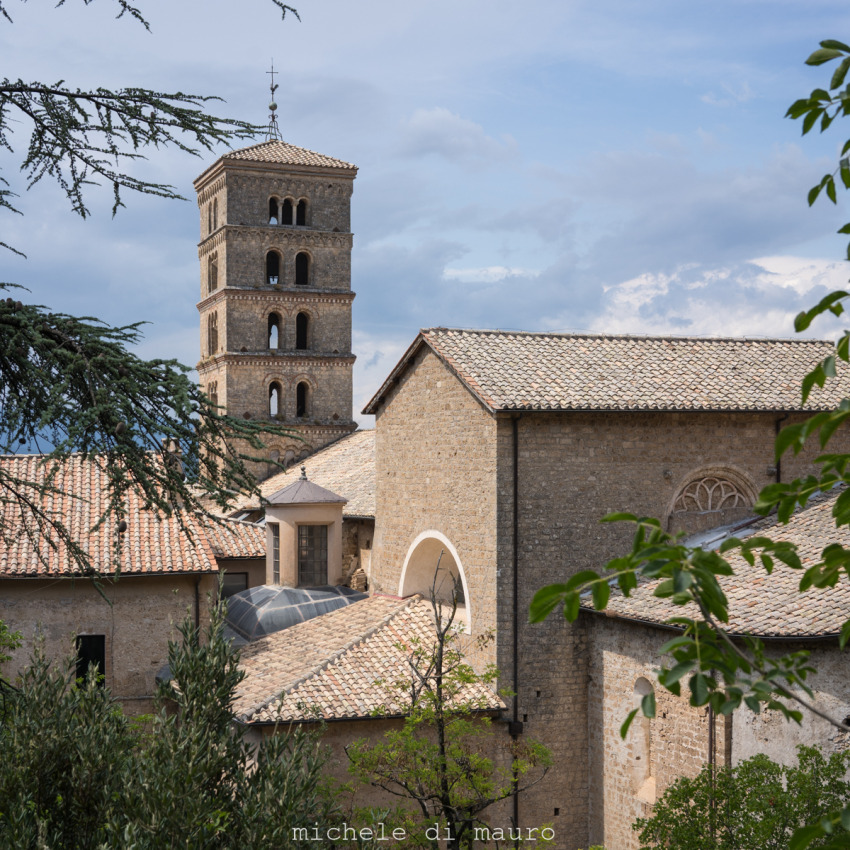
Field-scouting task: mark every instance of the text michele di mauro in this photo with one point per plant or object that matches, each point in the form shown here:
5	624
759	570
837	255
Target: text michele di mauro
345	833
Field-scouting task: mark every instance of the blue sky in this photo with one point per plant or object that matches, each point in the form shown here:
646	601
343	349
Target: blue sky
552	165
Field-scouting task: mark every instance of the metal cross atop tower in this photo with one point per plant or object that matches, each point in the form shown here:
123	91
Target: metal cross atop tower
273	131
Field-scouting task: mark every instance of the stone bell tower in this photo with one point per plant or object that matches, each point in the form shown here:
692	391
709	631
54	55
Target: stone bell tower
276	295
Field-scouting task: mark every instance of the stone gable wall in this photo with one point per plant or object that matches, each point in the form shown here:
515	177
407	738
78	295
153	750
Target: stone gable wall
436	470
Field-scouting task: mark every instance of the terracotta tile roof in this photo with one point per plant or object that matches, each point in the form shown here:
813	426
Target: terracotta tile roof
152	543
761	604
234	539
548	371
346	467
338	666
283	153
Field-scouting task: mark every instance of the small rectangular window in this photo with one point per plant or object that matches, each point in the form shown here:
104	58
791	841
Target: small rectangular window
275	553
91	651
312	555
233	583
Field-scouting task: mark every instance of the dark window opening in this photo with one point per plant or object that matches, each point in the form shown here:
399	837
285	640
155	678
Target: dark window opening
215	214
209	218
301	400
302	323
301	213
213	273
273	211
212	392
286	215
312	555
275	553
274	330
272	268
212	334
302	269
91	652
233	583
274	399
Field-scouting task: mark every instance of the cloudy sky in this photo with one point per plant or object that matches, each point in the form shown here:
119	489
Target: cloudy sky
572	165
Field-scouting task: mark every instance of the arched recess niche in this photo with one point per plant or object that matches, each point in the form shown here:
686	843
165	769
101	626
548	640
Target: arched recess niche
417	574
710	497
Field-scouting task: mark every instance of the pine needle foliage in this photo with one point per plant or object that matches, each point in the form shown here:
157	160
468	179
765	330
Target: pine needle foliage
69	384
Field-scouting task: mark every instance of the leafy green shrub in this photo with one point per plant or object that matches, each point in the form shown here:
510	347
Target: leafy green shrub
756	805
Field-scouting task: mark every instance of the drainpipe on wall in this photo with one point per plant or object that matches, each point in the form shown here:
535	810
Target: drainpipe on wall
515	726
777	427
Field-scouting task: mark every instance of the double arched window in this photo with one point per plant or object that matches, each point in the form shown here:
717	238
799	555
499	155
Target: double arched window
212	334
212	272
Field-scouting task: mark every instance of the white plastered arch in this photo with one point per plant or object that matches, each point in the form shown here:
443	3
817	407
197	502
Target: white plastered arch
420	562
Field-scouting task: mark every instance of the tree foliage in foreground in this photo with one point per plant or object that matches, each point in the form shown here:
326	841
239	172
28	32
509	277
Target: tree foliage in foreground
79	774
719	671
436	763
69	384
756	805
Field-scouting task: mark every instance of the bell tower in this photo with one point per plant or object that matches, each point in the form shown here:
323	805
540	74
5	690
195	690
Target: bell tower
275	306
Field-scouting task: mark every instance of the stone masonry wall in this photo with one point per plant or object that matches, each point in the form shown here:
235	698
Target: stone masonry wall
573	469
436	471
627	776
137	625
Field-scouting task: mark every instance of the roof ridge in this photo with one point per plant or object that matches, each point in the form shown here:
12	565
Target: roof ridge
326	662
626	336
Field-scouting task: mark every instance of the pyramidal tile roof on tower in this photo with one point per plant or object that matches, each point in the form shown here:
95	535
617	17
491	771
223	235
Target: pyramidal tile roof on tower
508	371
282	153
302	491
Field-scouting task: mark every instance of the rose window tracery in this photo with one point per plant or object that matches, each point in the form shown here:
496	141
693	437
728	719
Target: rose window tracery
711	494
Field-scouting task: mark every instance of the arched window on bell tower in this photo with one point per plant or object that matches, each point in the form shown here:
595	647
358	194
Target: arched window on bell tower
212	393
301	213
302	326
273	211
272	268
209	218
286	212
215	214
302	399
212	272
275	399
212	334
302	269
274	330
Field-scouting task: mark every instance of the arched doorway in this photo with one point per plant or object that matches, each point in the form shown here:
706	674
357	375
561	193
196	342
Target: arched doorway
421	573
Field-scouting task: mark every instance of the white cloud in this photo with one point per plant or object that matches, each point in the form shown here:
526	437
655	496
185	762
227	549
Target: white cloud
487	274
446	134
732	95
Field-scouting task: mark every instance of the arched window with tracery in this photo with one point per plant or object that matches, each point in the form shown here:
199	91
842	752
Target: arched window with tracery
212	272
302	326
273	211
272	268
212	393
302	269
711	497
212	334
274	330
301	213
302	399
286	212
274	399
